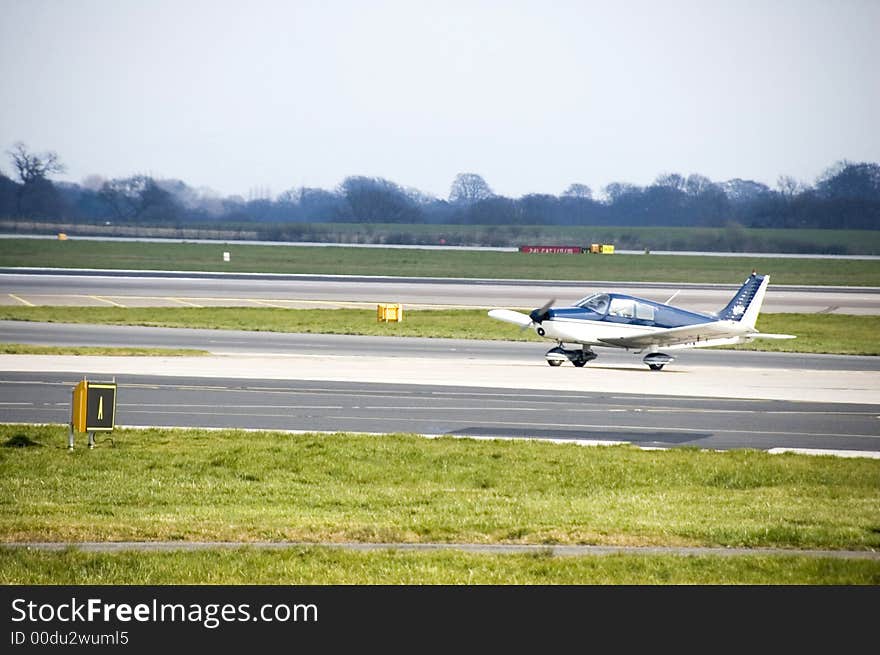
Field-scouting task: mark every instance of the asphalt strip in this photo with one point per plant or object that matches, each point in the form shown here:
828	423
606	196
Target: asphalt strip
705	381
483	549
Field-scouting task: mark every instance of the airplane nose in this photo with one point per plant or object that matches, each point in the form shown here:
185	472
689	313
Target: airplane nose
542	313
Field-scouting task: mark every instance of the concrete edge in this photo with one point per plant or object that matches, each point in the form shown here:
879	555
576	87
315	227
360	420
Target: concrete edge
578	442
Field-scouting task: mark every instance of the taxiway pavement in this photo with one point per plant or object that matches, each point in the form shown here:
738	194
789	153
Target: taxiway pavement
152	288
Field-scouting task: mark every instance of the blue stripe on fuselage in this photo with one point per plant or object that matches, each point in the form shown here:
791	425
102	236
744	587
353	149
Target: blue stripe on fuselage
664	316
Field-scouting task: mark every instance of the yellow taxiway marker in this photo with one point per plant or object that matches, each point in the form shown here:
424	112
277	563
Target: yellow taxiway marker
106	300
266	303
201	302
21	300
185	302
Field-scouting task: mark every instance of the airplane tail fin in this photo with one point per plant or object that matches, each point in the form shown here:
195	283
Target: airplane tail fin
746	304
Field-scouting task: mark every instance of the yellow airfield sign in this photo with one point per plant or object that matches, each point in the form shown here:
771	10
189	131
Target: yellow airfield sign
94	406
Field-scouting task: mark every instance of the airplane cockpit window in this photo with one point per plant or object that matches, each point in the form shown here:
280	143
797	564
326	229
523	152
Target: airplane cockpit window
598	303
630	308
623	307
644	312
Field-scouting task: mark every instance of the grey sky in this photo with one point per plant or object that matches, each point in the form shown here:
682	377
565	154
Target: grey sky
532	95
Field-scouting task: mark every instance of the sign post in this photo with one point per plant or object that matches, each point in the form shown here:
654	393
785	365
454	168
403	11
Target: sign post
93	409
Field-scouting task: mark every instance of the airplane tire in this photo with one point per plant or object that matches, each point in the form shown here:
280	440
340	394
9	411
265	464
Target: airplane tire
554	362
579	362
655	367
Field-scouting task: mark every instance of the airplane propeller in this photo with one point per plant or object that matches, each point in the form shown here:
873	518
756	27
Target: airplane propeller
541	314
524	320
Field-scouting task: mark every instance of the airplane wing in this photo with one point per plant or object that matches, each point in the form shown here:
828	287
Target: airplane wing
510	316
688	334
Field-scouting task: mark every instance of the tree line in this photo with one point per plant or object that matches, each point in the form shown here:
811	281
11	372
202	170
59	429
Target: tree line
845	196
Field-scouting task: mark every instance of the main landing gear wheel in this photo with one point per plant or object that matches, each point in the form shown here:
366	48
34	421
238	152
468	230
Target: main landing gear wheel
656	361
554	362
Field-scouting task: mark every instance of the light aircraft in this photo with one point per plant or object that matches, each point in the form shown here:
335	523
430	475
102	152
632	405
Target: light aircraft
637	324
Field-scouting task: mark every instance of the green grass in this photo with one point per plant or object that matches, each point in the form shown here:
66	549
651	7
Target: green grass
315	565
817	333
713	239
459	324
428	263
27	349
229	485
837	334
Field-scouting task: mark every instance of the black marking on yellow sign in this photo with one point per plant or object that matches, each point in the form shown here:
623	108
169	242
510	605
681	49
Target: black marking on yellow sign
96	418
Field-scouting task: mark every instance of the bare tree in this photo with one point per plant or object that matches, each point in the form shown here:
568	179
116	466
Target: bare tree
789	186
377	200
576	190
33	167
123	195
671	181
739	190
36	196
616	191
697	184
140	198
468	188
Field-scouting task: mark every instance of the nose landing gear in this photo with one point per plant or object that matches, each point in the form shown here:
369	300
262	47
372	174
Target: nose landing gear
555	356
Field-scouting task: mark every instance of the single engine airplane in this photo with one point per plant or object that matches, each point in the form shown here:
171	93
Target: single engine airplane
637	324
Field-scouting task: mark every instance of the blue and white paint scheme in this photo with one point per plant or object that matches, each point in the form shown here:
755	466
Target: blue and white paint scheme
637	324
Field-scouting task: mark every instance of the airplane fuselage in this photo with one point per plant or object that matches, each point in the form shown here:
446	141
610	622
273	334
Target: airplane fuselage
620	321
612	316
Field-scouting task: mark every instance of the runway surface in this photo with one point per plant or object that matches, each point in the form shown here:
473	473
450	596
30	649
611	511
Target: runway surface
334	346
706	398
603	417
142	289
711	399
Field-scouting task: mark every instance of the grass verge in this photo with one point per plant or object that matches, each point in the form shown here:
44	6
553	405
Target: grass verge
331	260
817	333
315	565
230	485
27	349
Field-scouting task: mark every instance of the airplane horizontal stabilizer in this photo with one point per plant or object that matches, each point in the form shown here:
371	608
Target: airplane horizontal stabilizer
762	335
510	316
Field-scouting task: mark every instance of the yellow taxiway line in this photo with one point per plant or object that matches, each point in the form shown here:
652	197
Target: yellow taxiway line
21	300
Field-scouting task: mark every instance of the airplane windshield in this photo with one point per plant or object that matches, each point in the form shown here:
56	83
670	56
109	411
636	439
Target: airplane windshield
598	303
